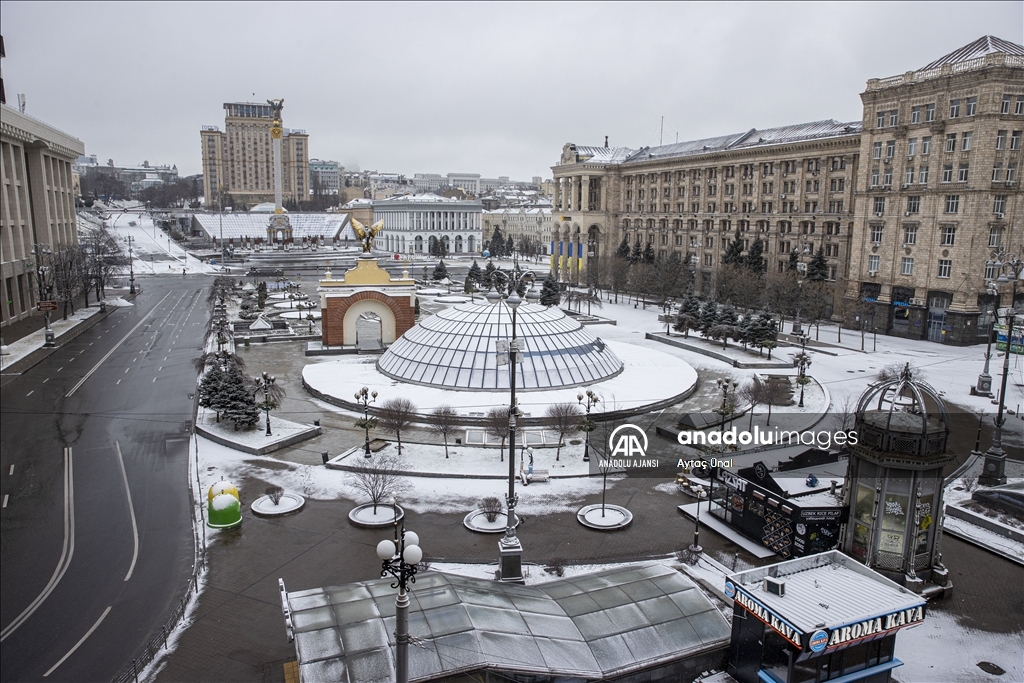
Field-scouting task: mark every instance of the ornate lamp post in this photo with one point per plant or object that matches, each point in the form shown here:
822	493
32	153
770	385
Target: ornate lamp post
365	397
510	549
263	383
1010	270
588	424
401	557
797	328
803	362
727	387
44	281
131	265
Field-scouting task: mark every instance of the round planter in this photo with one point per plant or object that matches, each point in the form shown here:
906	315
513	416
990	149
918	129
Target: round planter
615	517
362	515
477	521
289	503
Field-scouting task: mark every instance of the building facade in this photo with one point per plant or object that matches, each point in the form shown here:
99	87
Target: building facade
529	227
38	206
791	187
327	175
904	216
412	222
939	192
238	163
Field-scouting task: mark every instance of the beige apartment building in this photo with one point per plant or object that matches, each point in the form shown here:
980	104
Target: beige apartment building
38	203
238	163
854	190
533	223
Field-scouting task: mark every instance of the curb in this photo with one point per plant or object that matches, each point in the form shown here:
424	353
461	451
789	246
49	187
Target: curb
269	448
26	363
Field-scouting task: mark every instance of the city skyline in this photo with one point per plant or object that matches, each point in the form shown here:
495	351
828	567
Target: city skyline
489	103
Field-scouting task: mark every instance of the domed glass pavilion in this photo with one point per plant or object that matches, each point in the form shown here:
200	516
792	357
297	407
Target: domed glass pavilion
455	349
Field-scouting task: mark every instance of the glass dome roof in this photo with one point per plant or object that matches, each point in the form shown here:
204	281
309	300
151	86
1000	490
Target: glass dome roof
455	349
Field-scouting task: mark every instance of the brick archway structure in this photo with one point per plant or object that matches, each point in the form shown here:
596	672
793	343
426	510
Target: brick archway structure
397	315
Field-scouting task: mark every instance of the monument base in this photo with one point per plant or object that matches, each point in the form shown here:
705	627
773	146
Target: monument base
510	559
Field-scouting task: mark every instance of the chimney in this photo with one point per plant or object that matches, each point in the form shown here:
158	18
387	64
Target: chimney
606	142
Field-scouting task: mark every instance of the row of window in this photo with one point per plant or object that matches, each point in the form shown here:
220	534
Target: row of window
966	143
836	163
945	268
783	227
947	235
952	204
965	106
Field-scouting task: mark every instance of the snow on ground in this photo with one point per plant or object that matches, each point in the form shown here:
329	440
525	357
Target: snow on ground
154	253
17	350
423	494
256	437
648	377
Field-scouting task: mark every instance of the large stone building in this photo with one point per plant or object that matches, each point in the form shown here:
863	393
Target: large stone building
892	202
413	222
327	175
238	164
38	204
529	227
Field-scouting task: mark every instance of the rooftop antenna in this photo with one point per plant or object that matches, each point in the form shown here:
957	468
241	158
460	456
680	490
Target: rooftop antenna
661	135
606	142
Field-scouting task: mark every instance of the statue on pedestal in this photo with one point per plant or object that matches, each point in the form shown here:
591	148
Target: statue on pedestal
365	234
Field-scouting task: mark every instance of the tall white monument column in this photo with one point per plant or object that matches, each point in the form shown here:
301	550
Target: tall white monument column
280	229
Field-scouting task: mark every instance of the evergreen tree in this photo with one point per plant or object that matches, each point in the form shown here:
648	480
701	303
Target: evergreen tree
637	255
239	404
497	245
708	317
733	253
432	246
440	271
648	256
261	294
475	273
817	269
727	315
549	292
211	389
510	246
692	306
747	330
794	258
623	250
487	279
755	257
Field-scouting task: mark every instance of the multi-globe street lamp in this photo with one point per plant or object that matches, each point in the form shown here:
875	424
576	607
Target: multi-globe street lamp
365	397
263	383
131	265
401	558
727	387
510	548
1011	270
588	424
803	362
44	282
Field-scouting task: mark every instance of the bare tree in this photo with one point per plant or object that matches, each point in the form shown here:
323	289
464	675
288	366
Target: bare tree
774	394
732	284
496	425
396	414
380	479
565	418
444	421
104	260
68	266
752	393
491	507
781	293
895	371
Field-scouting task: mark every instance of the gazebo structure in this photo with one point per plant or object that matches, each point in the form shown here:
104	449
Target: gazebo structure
894	486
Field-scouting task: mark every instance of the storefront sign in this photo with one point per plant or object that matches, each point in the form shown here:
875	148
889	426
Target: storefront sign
845	635
731	480
777	623
818	641
822	515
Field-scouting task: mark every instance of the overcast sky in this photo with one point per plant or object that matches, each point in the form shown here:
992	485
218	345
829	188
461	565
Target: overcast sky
495	89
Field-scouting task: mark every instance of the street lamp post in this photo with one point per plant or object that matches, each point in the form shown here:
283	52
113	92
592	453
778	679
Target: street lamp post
803	360
1010	270
131	265
45	285
365	397
264	383
984	385
588	424
726	386
797	328
510	549
401	558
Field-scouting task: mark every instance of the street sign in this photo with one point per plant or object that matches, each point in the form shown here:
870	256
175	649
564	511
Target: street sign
46	306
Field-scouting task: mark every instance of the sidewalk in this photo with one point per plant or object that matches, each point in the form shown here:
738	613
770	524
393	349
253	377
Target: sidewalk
29	350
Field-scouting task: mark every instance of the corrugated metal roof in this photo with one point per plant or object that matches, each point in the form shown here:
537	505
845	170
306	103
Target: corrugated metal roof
985	45
827	590
752	138
254	225
603	155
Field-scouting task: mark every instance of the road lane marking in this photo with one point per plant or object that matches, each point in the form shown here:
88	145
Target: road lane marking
131	509
30	393
66	552
45	380
154	379
79	643
127	369
118	381
60	368
11	473
110	352
6	496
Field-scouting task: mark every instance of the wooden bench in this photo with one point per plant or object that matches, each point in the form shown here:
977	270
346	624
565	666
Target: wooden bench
539	475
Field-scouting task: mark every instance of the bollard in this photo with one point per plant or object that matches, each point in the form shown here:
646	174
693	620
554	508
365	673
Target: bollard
325	457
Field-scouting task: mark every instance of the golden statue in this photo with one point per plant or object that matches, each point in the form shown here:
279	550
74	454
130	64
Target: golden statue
365	234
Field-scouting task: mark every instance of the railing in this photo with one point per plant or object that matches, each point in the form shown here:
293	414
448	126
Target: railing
947	69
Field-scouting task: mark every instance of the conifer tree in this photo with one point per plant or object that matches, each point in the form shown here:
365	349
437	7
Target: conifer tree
794	258
733	253
708	317
475	273
549	292
727	315
755	257
487	279
648	256
440	271
623	250
637	255
239	403
817	269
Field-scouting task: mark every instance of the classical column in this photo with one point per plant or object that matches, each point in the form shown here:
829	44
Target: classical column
585	193
602	189
556	196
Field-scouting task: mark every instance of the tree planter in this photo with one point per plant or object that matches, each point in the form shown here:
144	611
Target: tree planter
615	517
477	521
362	515
289	503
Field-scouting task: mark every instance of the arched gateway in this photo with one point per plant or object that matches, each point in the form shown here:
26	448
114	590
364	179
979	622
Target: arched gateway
365	293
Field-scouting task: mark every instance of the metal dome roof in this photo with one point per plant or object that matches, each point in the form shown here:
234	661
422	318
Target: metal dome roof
903	414
455	349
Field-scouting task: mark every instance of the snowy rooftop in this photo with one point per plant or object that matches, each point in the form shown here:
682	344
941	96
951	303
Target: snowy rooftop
986	45
426	198
827	590
595	626
254	225
455	349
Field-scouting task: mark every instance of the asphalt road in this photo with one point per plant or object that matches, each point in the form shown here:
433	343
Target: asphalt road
94	562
